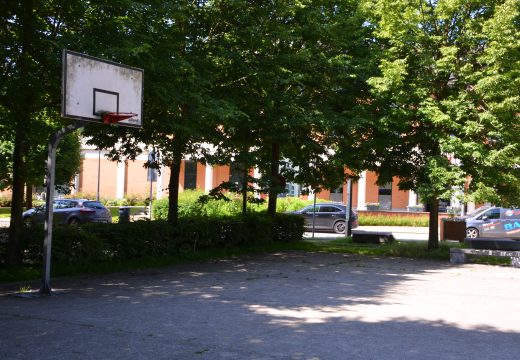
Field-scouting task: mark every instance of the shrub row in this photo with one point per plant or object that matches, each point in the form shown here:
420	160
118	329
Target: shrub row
385	220
188	205
144	239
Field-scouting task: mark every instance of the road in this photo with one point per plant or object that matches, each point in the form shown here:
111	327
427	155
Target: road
401	233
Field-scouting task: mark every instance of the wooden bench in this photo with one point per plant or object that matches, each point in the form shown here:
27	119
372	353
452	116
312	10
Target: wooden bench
372	237
459	256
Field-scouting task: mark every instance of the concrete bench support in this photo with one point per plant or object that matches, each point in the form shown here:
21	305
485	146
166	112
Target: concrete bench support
459	256
372	237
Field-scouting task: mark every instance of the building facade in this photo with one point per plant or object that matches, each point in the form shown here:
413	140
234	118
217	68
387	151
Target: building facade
113	180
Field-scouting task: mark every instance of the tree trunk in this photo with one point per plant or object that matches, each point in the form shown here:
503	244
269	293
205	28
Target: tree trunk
433	237
173	191
28	196
22	114
13	256
275	178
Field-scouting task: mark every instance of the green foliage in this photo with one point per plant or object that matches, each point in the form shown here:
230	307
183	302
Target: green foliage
93	243
396	249
189	205
5	201
128	200
384	220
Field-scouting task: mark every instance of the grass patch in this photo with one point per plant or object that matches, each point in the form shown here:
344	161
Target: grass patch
410	250
390	220
5	212
343	245
488	260
29	273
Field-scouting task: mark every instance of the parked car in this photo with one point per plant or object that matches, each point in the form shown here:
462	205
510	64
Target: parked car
493	222
328	217
71	212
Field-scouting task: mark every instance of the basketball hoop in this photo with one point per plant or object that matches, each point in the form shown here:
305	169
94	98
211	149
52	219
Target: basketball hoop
115	117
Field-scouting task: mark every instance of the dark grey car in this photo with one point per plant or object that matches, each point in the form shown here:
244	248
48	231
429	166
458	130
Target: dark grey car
328	217
70	211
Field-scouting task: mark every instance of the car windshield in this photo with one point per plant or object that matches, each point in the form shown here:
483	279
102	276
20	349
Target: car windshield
477	211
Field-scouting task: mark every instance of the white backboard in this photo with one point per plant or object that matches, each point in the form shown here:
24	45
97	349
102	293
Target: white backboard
92	86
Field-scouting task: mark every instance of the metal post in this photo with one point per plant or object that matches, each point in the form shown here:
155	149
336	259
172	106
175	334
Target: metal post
98	174
49	197
314	214
151	197
349	208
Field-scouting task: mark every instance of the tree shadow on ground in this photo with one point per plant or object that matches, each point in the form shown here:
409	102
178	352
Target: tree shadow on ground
280	306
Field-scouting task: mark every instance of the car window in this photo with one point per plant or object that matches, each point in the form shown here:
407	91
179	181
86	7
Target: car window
93	204
477	211
67	204
309	209
511	214
329	209
59	204
491	214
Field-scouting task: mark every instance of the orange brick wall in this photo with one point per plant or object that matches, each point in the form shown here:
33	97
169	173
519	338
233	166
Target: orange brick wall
88	179
399	197
220	174
372	195
136	182
165	180
201	176
181	177
354	194
324	195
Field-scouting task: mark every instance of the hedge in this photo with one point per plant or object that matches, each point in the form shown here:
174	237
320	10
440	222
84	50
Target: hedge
145	239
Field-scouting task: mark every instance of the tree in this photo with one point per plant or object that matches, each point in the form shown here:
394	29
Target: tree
280	66
25	39
171	40
68	161
32	37
496	87
427	123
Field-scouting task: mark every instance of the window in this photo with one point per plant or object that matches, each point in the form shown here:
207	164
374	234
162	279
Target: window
385	196
236	174
491	214
336	195
190	174
329	209
93	204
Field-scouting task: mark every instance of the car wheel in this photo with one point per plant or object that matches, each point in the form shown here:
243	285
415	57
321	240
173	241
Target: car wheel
471	233
74	222
28	222
339	227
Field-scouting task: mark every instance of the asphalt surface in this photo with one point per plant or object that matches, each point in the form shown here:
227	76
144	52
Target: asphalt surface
4	222
278	306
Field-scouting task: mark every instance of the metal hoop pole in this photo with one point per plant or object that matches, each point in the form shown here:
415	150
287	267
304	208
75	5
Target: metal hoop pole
49	197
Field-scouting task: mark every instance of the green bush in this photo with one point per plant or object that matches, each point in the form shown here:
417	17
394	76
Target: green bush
93	243
392	220
293	203
5	211
5	201
188	205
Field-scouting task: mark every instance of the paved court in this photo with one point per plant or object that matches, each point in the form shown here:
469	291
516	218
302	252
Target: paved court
278	306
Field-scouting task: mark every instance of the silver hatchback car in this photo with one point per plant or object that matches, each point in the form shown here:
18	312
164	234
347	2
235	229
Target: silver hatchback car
493	222
71	212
